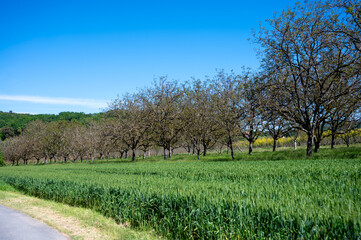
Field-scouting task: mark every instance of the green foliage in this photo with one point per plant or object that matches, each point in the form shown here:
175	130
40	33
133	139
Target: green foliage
2	160
17	122
7	132
297	199
6	187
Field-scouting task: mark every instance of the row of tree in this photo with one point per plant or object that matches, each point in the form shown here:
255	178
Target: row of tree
195	116
310	81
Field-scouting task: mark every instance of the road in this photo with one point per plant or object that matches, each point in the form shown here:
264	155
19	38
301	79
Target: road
15	225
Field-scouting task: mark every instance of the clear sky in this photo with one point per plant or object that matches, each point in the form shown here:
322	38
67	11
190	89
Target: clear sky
79	55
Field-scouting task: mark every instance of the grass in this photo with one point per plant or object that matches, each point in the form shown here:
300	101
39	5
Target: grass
267	195
259	154
75	222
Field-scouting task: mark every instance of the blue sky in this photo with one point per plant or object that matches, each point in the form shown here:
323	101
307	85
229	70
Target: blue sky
79	55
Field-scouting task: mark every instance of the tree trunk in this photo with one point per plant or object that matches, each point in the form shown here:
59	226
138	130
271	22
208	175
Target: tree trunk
133	155
318	137
55	159
126	154
274	144
333	138
188	149
198	153
231	147
46	160
295	143
309	144
347	140
317	145
295	140
165	153
204	149
92	159
170	151
250	148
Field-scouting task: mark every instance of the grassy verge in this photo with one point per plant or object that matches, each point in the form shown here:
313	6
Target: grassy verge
77	223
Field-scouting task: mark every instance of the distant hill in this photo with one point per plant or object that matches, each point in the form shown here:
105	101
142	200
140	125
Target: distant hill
14	123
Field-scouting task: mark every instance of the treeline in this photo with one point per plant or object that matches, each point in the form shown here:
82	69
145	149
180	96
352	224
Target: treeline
12	124
197	116
310	81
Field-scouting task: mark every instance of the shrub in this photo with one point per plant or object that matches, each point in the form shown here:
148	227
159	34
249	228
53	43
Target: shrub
2	161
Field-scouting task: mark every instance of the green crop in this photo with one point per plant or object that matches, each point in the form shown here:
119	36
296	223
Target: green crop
295	199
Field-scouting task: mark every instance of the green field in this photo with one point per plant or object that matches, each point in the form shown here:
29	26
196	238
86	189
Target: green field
211	199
